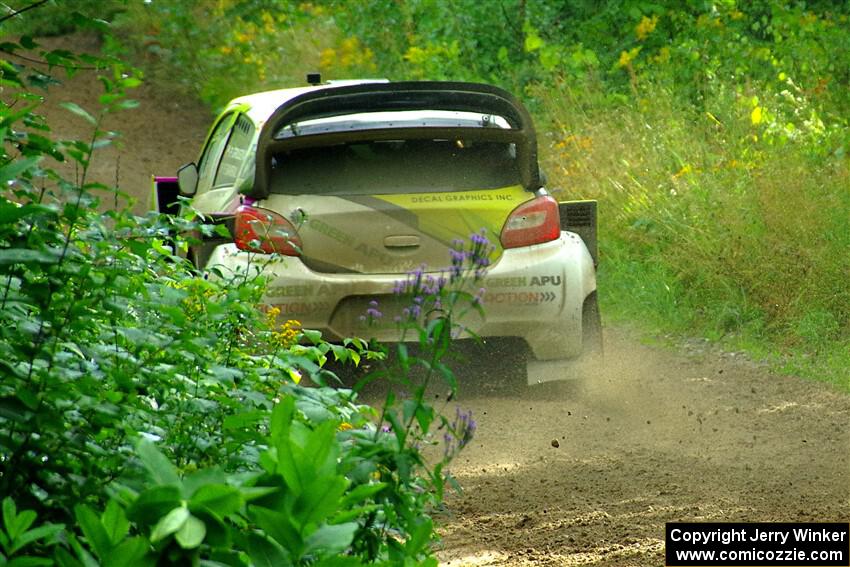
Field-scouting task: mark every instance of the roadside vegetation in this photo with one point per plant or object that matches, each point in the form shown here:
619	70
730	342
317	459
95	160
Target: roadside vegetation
714	134
151	414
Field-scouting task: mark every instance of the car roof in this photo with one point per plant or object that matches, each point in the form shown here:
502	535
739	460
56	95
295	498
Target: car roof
259	106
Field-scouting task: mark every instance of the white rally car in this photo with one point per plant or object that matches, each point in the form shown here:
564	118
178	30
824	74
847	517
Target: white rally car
355	184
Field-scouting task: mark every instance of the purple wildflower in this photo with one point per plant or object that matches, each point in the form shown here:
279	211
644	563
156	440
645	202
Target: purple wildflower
479	296
460	433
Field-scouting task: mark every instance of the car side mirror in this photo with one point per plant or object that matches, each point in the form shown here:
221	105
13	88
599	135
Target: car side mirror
187	179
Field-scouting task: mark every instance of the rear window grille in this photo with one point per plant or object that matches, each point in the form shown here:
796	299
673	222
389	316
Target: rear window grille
578	214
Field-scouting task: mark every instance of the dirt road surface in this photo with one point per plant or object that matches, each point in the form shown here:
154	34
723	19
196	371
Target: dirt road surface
590	477
659	435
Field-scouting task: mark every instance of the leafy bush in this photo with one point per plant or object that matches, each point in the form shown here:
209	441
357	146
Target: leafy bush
151	414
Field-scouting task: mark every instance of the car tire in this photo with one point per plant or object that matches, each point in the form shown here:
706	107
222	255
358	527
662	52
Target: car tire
591	328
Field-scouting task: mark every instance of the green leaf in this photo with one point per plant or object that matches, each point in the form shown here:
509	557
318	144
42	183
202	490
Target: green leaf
243	420
23	522
323	500
533	42
127	104
420	536
152	504
65	559
278	527
41	532
25	256
129	553
194	481
361	493
220	499
331	539
115	522
191	534
280	435
29	562
11	212
82	553
409	408
322	449
250	493
93	530
10	517
29	398
314	337
79	111
265	553
160	468
14	410
170	523
397	427
14	169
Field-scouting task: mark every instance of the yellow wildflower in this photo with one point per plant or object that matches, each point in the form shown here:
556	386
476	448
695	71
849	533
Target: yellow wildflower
288	333
686	169
345	426
327	58
626	57
645	27
808	19
416	55
268	22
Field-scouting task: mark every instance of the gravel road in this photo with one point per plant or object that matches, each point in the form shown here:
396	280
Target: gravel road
590	477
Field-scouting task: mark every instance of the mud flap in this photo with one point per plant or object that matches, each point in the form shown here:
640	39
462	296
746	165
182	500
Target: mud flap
540	371
571	369
576	369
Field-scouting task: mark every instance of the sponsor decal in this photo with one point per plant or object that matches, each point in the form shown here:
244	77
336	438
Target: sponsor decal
455	197
545	280
290	290
302	307
522	281
330	231
520	297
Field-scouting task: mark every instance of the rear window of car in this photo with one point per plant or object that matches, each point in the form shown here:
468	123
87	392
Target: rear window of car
395	166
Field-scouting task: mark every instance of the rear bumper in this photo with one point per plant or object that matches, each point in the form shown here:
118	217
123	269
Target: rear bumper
534	293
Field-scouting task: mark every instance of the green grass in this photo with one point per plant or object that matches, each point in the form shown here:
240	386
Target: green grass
707	229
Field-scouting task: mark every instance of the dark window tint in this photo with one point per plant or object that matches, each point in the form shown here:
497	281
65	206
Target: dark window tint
212	152
398	166
234	154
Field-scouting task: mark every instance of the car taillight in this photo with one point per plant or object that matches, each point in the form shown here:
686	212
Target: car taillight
533	222
266	232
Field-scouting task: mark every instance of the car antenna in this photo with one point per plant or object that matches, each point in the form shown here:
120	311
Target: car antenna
314	78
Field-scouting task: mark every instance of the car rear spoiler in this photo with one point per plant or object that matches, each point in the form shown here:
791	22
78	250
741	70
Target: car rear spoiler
402	96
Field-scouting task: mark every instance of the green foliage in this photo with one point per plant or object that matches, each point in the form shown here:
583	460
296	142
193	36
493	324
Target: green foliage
17	535
150	414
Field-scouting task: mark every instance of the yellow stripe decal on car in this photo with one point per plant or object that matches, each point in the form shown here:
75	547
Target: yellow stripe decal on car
449	215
